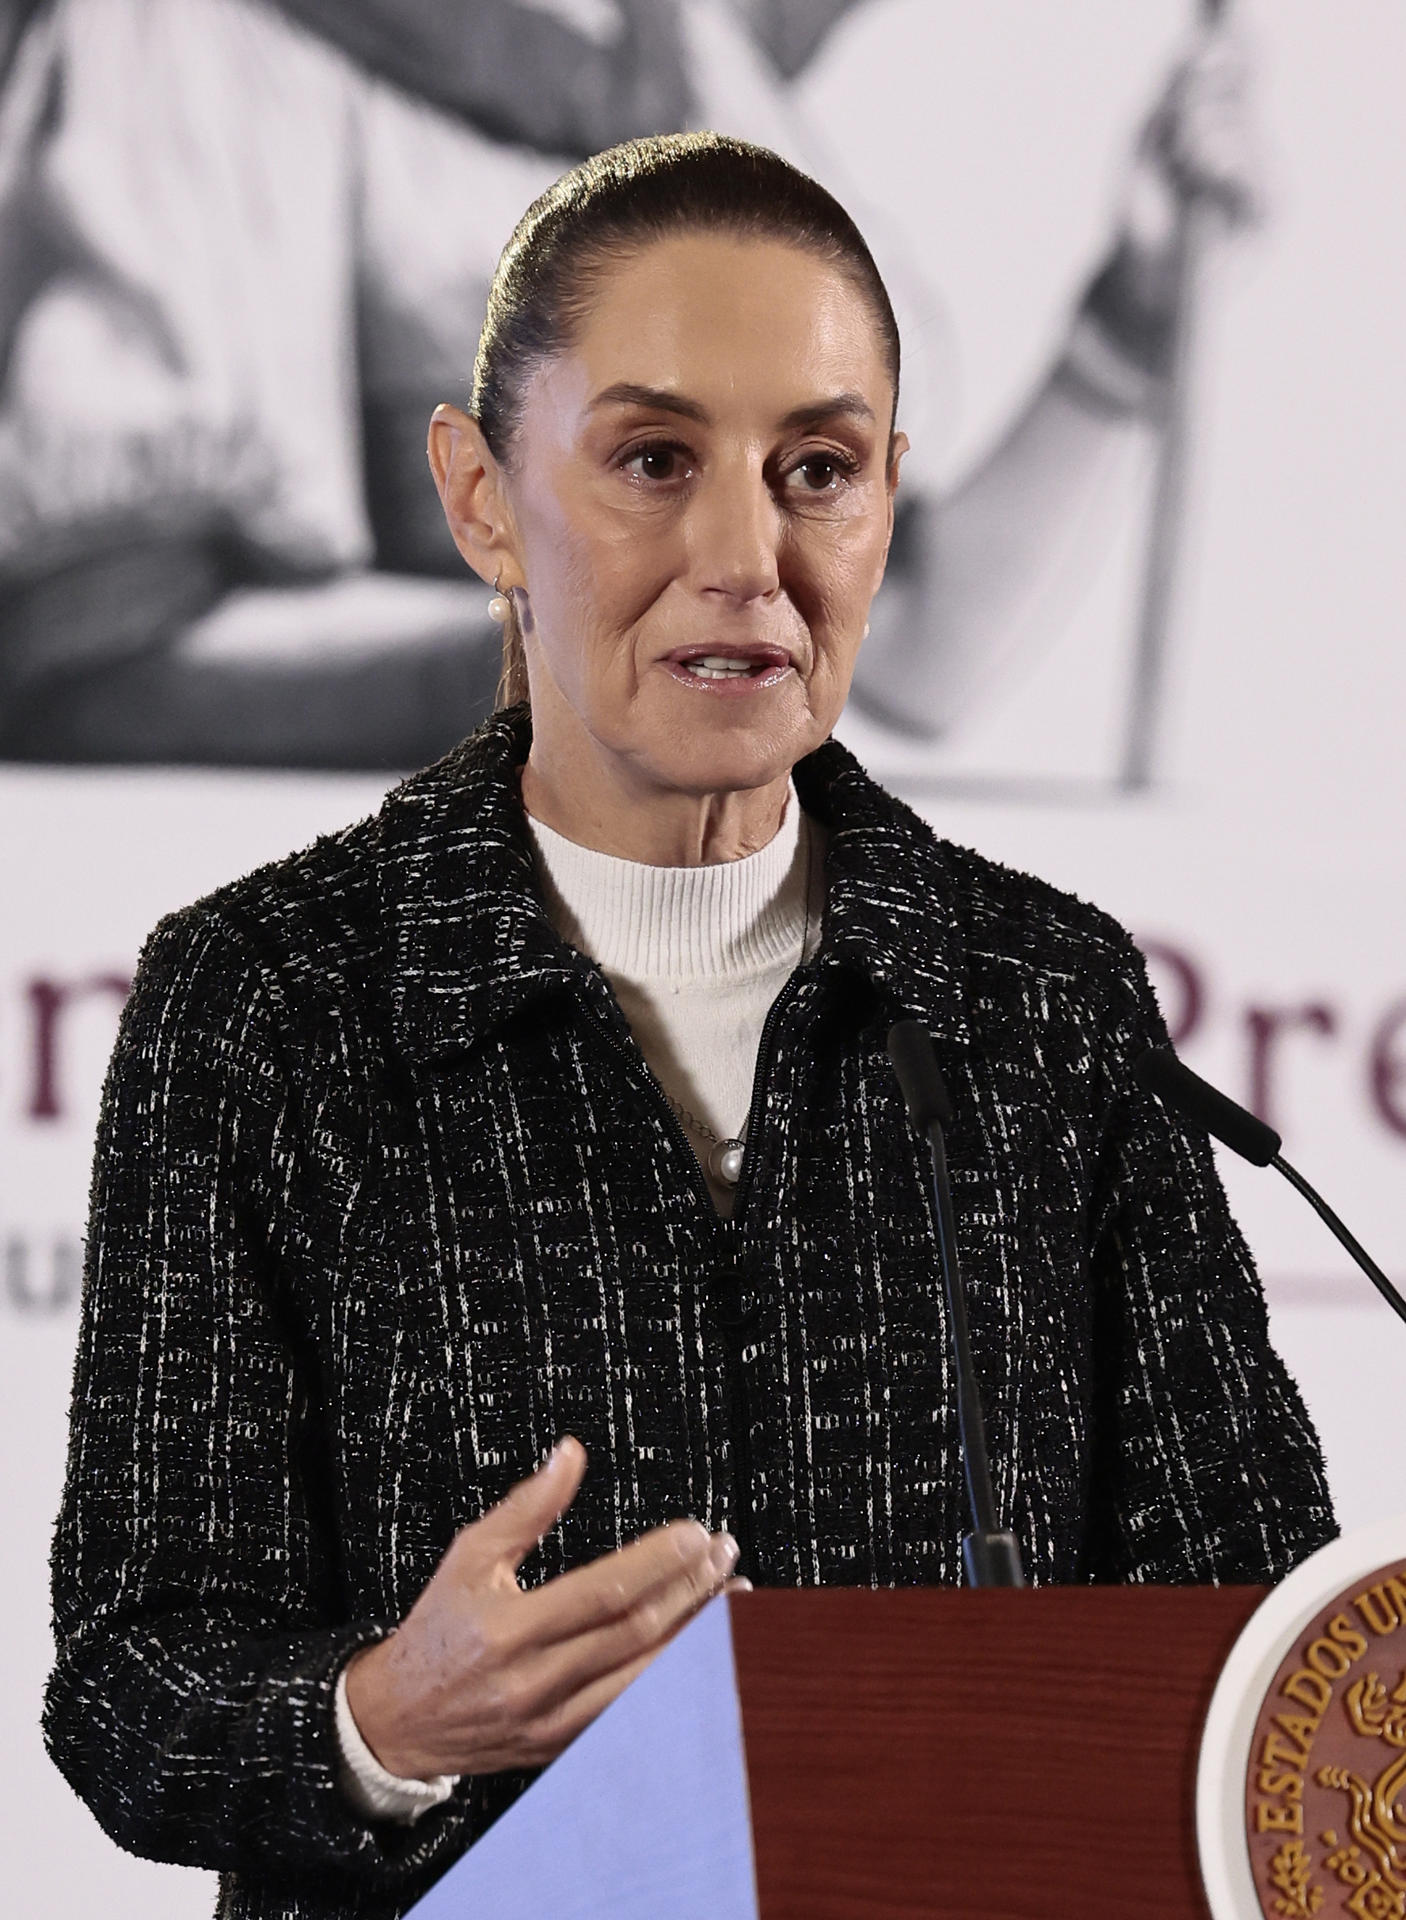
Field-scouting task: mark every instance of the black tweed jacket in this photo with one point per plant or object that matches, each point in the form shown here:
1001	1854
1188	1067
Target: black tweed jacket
386	1199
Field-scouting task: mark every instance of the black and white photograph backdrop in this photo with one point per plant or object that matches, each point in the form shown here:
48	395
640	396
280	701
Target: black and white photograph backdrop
1141	631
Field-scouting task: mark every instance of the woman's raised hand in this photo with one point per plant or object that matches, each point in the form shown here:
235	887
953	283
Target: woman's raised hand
481	1677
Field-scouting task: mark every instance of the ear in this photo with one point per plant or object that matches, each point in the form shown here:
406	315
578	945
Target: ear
473	496
898	446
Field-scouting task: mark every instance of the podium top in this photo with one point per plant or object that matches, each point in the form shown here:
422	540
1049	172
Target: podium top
836	1754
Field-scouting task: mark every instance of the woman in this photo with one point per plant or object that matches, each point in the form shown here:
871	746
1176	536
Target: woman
554	1101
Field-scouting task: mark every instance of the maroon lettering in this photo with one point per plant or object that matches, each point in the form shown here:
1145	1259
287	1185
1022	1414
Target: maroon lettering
49	1000
1386	1068
1266	1026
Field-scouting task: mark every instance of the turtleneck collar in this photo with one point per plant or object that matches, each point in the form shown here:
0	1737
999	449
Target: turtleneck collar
468	942
683	923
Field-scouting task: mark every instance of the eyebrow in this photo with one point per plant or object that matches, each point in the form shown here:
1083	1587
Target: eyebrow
852	404
627	393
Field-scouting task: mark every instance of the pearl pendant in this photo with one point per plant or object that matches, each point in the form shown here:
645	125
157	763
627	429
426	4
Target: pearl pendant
500	608
725	1162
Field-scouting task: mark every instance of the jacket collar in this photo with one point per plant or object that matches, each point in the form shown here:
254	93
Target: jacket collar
468	937
470	944
891	894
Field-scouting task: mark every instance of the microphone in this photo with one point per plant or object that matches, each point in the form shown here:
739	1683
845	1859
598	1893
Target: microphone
1195	1100
990	1556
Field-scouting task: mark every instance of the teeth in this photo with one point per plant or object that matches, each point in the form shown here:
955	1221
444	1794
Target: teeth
719	666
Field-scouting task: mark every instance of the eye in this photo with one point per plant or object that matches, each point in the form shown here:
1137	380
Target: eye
820	473
659	462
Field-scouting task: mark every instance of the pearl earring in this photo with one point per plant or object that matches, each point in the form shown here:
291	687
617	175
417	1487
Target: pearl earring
500	607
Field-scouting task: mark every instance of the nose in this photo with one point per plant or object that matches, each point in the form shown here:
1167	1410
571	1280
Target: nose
734	534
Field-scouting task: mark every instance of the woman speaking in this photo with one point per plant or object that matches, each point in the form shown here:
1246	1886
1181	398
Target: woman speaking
546	1117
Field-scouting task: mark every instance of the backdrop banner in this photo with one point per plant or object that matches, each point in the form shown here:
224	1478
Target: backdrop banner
1140	635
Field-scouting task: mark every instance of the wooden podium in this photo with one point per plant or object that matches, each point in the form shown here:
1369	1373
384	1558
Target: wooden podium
990	1755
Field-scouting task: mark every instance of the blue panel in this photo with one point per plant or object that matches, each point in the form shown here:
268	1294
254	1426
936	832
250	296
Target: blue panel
644	1817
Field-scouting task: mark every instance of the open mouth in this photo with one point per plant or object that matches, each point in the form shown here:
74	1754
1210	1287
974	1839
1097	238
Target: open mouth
730	667
717	666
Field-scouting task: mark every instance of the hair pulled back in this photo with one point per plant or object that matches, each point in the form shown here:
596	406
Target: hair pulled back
624	198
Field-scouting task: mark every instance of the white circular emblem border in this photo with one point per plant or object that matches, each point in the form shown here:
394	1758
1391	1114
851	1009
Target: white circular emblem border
1235	1705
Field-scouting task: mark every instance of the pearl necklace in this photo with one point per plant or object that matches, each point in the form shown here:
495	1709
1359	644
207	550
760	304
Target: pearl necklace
725	1157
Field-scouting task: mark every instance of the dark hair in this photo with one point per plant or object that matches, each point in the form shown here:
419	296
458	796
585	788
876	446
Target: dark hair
623	198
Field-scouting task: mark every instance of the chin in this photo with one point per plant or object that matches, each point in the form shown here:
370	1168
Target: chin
710	759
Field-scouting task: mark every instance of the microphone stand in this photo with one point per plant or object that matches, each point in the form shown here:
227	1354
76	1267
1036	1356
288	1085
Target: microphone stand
990	1555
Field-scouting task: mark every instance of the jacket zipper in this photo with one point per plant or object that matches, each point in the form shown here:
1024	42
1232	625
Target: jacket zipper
639	1066
764	1047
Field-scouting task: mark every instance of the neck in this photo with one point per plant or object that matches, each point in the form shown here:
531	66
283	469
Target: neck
613	807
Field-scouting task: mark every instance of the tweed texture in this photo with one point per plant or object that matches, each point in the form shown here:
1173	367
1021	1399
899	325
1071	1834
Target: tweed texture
385	1199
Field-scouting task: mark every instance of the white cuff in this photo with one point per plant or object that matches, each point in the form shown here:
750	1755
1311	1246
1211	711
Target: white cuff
376	1794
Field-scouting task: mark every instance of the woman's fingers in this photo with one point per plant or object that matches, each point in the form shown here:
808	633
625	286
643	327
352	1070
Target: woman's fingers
507	1533
578	1661
560	1722
482	1675
674	1568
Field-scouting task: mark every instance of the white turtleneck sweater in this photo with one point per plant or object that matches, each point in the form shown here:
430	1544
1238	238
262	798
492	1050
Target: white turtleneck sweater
695	956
